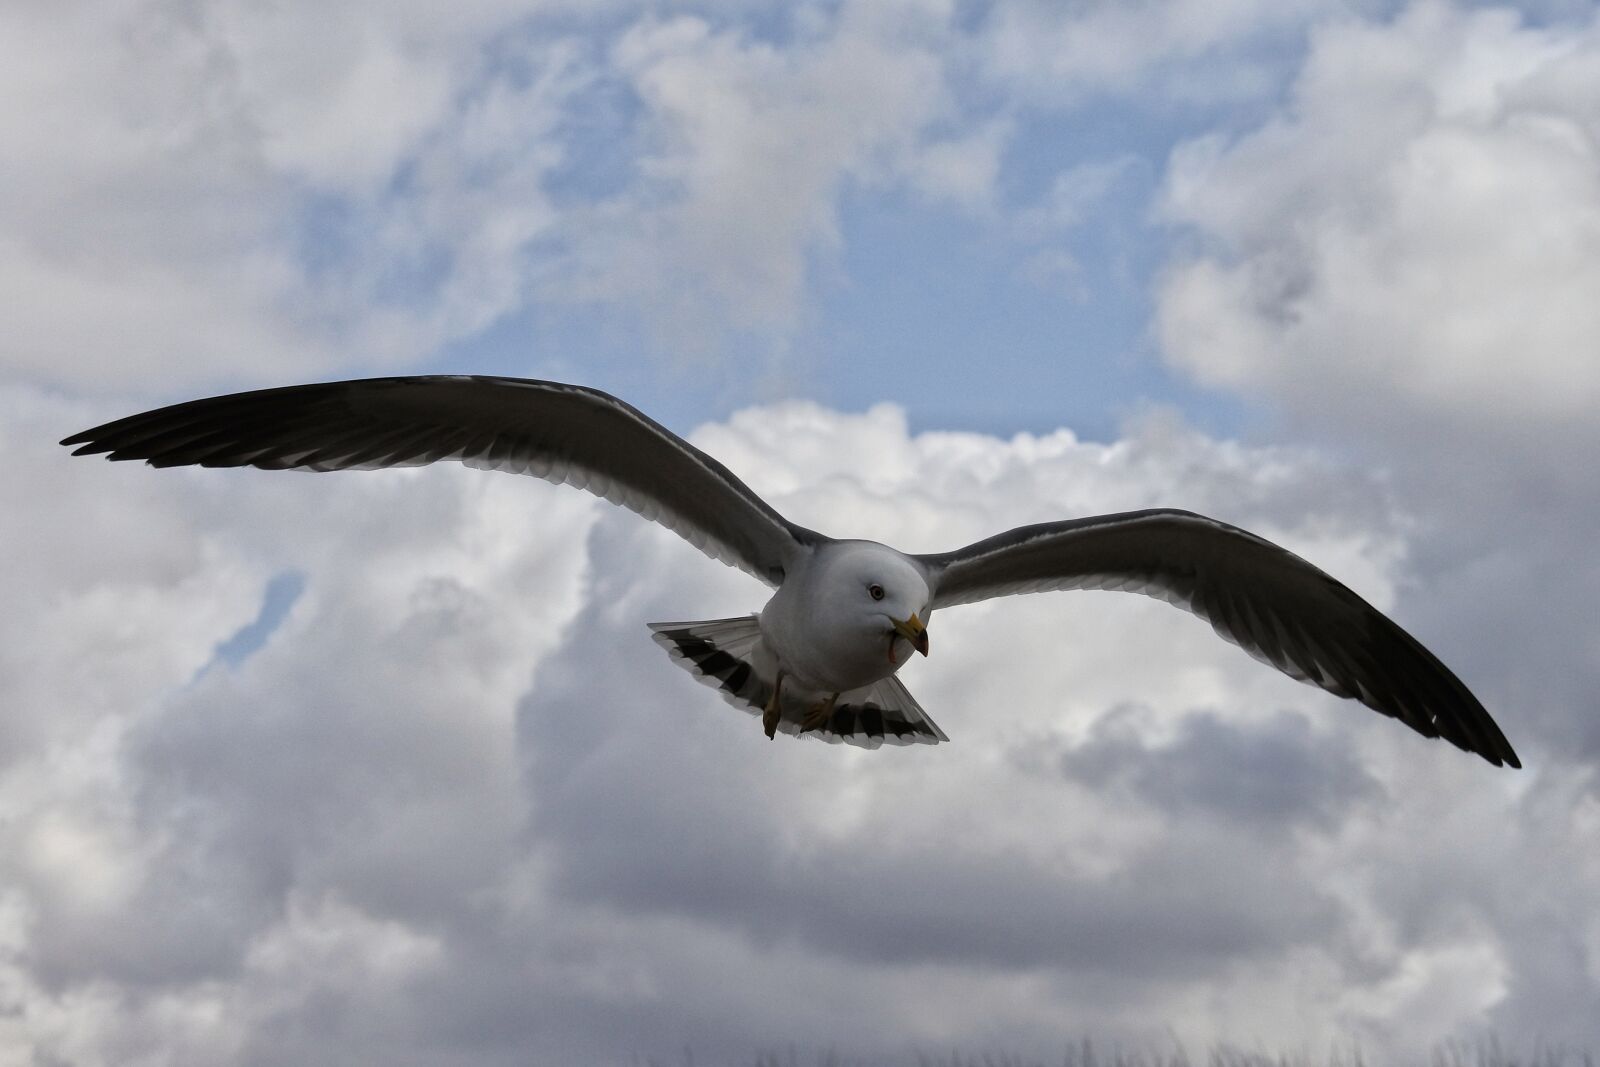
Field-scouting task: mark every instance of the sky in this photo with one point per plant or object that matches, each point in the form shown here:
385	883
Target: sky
382	768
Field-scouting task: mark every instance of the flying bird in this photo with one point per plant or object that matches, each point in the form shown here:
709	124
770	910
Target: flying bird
820	658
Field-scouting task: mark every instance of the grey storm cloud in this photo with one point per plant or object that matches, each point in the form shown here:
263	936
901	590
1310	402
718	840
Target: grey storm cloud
1277	776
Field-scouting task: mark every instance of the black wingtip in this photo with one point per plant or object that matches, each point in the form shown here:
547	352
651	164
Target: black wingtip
1493	749
1499	754
87	444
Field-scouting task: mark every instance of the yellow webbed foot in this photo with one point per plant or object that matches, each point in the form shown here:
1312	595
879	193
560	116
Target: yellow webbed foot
818	717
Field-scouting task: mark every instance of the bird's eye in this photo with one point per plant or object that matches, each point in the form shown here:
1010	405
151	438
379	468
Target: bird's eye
876	590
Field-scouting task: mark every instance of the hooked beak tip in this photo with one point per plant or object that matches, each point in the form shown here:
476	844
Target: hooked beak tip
913	630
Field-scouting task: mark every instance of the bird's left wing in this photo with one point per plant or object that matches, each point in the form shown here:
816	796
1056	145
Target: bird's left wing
562	433
1264	598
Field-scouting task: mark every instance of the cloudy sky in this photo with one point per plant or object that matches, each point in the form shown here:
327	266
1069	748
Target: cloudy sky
383	768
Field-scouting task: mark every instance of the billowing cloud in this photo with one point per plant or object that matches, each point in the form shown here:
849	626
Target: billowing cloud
1416	236
384	769
458	806
746	148
308	191
231	188
1401	260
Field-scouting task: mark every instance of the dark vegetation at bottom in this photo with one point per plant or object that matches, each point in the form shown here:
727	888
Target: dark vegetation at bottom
1484	1053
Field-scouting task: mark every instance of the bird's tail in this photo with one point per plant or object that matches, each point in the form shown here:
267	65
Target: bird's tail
721	653
729	656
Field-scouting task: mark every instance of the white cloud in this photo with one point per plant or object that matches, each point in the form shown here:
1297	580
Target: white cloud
215	191
458	806
1416	237
1055	51
746	148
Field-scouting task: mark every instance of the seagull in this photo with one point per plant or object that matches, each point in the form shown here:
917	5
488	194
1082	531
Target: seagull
820	659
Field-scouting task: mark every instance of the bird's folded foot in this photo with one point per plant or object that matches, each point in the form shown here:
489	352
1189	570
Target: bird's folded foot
773	711
818	716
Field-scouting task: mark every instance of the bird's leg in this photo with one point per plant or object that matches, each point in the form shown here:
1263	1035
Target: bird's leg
771	713
819	715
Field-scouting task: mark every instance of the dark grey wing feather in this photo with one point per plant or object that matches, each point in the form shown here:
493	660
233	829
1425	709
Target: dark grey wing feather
1267	600
562	433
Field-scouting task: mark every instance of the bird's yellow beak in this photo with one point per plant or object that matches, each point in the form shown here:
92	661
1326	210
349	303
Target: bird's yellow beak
912	630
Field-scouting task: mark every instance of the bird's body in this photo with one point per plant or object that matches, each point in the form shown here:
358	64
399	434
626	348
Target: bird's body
821	656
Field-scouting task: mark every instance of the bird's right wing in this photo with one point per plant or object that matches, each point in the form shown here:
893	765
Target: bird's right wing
1264	598
562	433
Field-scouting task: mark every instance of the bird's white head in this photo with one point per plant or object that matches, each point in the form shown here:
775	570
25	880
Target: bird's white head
874	590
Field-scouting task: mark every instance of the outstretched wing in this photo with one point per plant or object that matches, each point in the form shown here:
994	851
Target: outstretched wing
562	433
1267	600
